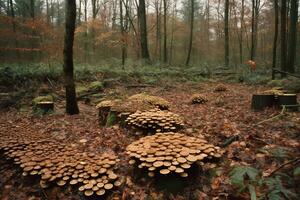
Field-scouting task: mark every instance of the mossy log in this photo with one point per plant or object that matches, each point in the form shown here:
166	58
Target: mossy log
262	101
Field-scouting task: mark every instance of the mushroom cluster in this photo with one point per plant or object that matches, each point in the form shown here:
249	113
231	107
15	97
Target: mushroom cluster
63	164
167	153
198	99
121	109
151	100
155	120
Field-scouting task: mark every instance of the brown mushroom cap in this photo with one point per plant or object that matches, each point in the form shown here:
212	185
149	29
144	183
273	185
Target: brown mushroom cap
88	193
100	192
164	171
108	186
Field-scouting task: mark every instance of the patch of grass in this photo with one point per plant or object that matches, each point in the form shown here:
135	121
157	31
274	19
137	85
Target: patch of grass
31	75
292	84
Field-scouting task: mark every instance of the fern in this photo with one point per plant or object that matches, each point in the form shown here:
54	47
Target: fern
240	174
276	191
296	172
245	177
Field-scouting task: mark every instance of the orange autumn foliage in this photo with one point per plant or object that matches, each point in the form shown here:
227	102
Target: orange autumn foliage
252	65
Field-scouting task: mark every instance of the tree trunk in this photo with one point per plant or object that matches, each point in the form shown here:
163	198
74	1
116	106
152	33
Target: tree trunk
253	30
47	12
94	15
275	39
71	102
208	28
283	36
226	31
123	47
143	31
165	31
32	2
79	13
174	16
85	33
191	34
292	36
241	31
114	15
12	13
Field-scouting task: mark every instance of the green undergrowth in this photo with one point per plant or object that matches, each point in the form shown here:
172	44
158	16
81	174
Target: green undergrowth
31	75
275	187
111	73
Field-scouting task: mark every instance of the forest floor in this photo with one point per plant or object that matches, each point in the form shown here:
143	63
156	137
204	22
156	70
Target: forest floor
264	146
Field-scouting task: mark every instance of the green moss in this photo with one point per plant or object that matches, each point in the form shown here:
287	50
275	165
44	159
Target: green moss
111	119
292	84
42	99
81	89
276	83
96	85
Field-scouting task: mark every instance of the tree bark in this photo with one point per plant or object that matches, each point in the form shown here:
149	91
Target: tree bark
165	32
85	32
158	30
283	36
226	31
47	12
241	31
275	38
12	13
79	13
143	31
71	102
123	46
254	27
95	9
191	34
32	12
174	16
292	36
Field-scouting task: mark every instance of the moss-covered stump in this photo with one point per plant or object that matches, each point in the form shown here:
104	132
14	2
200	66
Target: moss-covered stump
104	108
198	99
45	107
171	153
155	121
43	104
45	98
55	163
117	111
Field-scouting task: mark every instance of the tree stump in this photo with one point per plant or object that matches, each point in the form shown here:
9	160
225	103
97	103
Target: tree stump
103	115
45	106
262	101
6	100
287	100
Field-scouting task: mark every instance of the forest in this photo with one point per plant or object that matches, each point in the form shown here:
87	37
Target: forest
149	99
